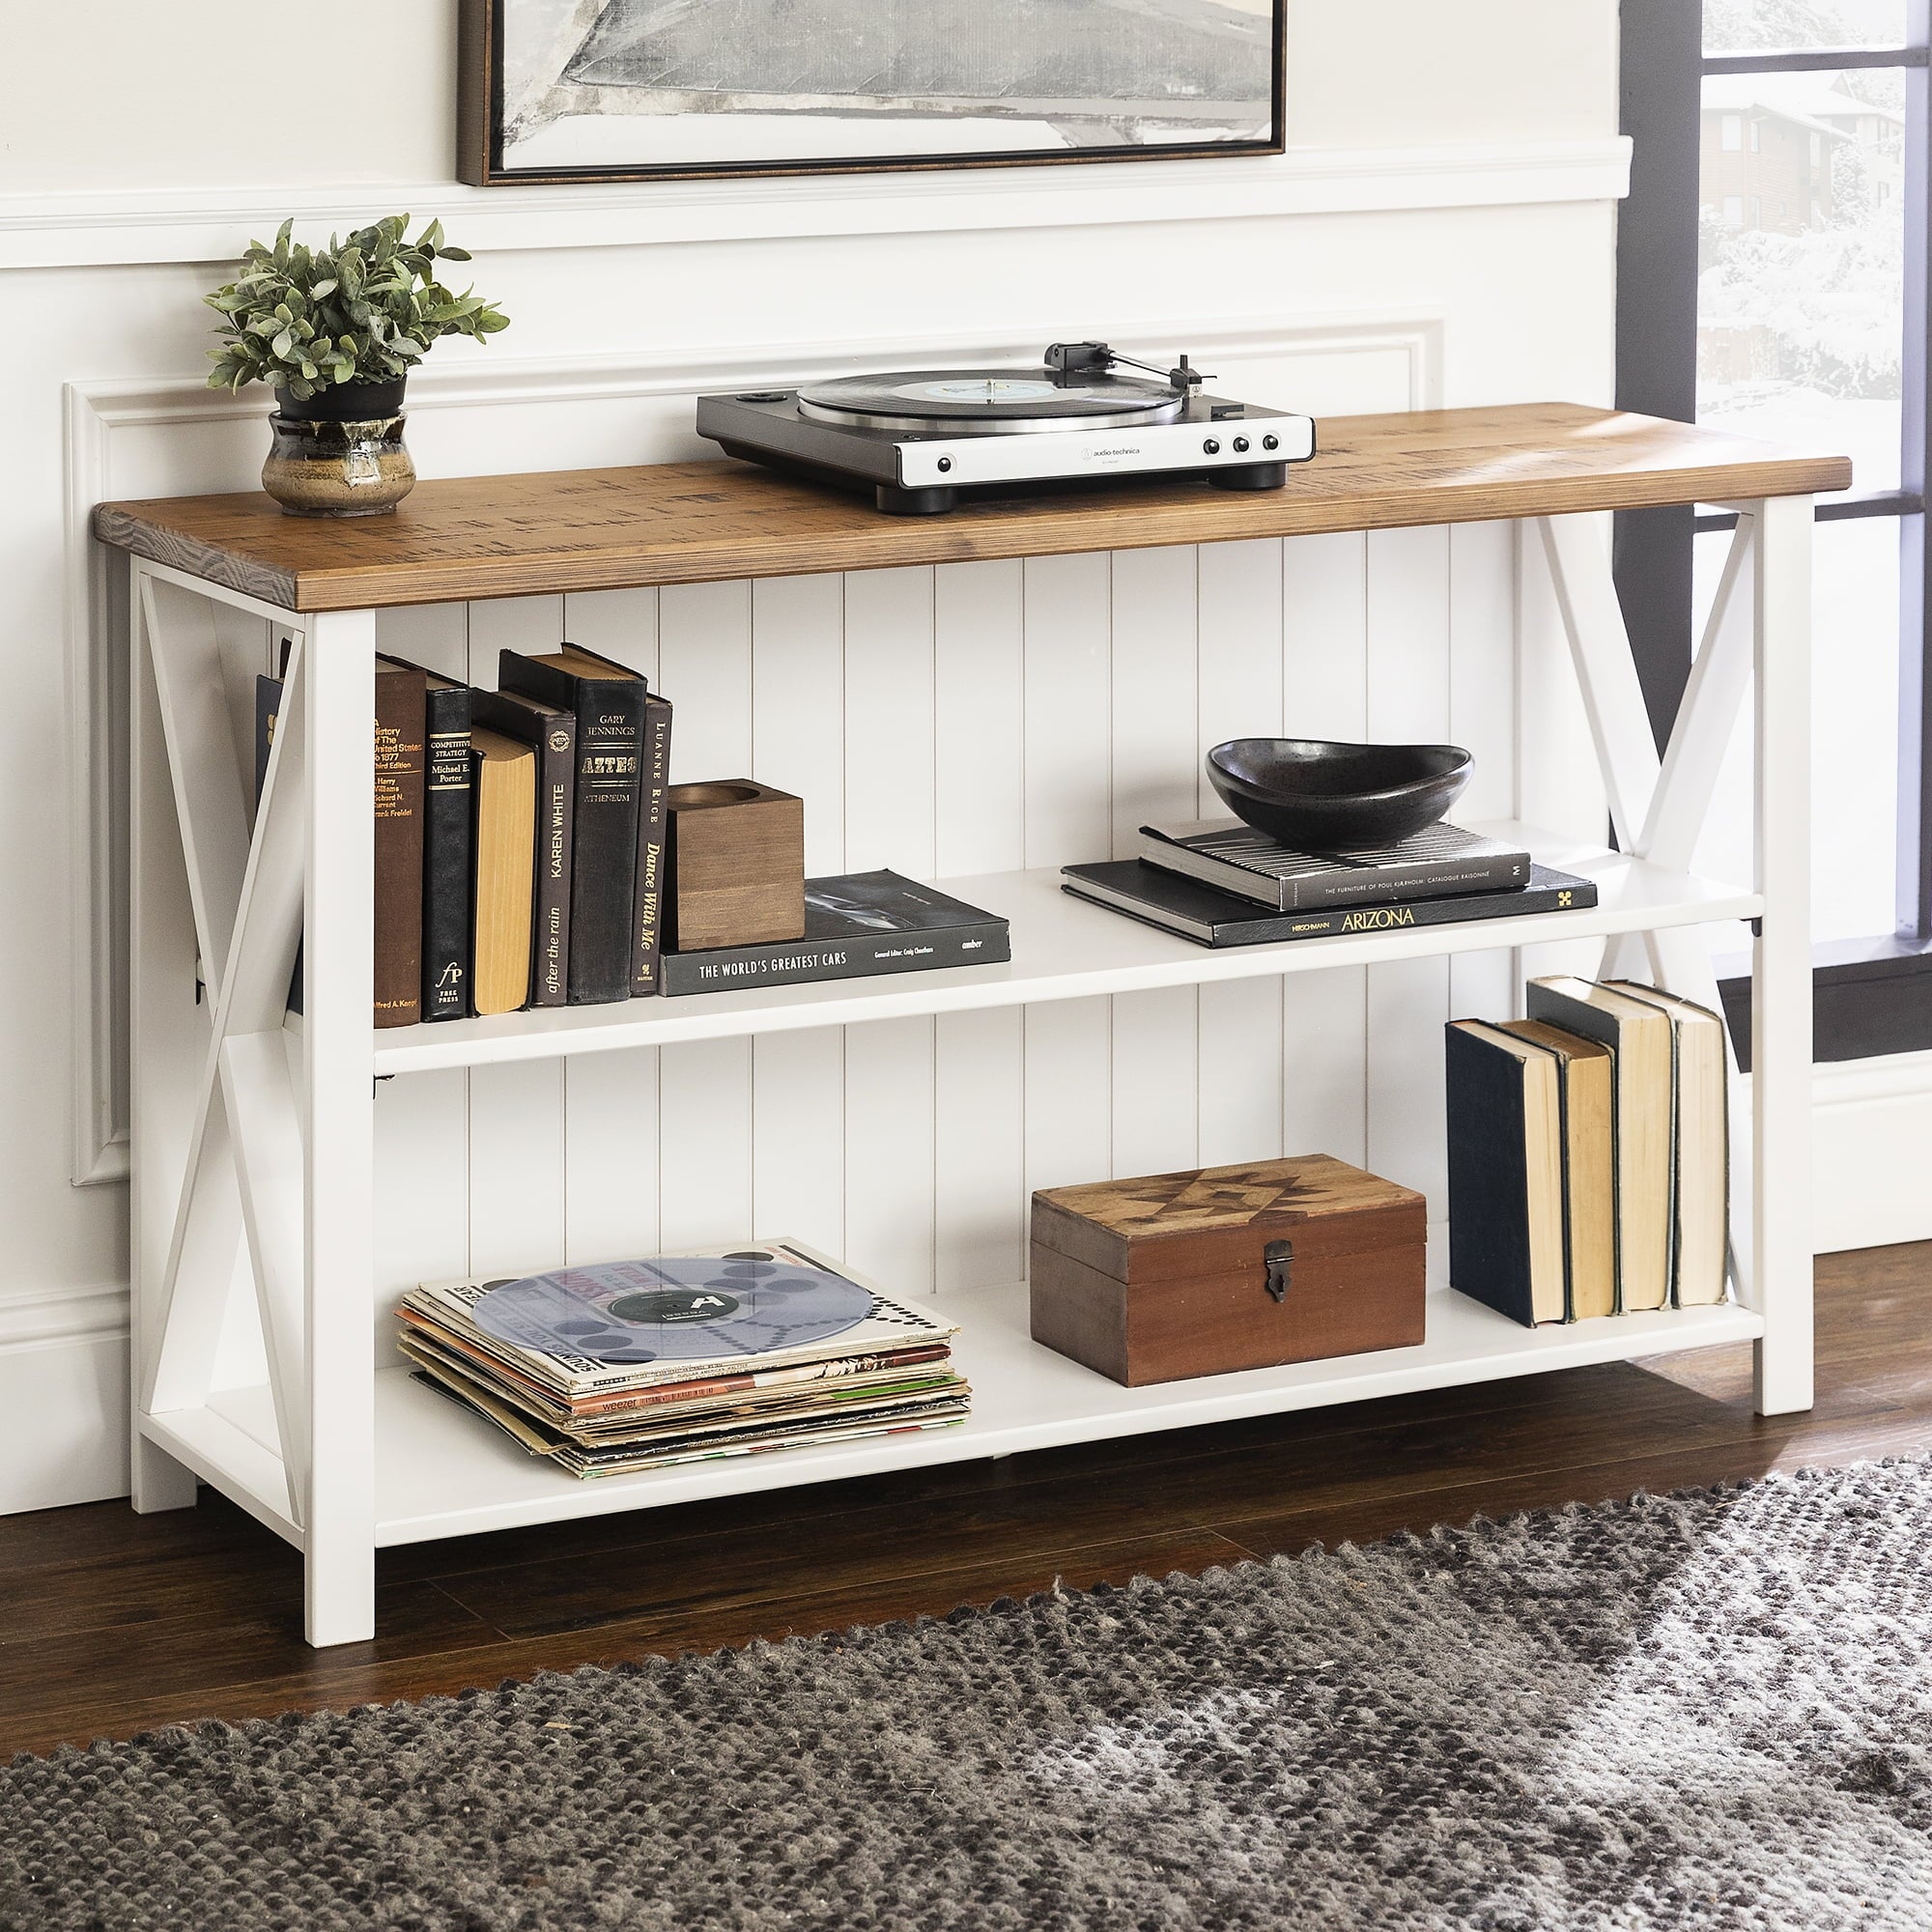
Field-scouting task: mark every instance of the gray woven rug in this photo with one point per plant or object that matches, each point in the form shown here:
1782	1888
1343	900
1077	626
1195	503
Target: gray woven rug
1712	1710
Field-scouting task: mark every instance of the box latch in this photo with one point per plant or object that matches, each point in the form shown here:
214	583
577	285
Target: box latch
1278	1256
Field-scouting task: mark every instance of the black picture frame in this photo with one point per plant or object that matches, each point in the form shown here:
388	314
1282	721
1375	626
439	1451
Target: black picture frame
481	130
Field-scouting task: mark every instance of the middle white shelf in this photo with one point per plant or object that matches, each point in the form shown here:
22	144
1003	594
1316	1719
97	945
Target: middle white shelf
1067	948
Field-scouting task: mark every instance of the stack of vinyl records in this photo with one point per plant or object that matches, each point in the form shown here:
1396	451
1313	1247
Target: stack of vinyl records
682	1358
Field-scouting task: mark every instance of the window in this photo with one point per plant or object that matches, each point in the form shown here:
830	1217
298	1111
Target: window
1756	131
1814	331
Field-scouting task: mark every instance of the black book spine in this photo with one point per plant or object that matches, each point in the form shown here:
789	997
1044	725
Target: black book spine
1489	1177
604	860
556	818
648	907
795	962
446	937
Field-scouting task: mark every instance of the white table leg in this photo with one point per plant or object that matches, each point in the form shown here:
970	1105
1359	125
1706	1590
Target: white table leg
168	1041
338	988
1781	996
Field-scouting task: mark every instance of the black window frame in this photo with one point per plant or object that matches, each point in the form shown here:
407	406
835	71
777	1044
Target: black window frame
1871	996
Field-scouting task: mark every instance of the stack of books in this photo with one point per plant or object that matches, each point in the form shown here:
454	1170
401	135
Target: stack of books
1221	883
1589	1166
520	835
668	1359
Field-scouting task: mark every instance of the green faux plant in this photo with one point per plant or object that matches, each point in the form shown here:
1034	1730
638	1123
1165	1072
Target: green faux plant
364	310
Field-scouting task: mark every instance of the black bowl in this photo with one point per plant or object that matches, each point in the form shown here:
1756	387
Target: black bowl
1321	797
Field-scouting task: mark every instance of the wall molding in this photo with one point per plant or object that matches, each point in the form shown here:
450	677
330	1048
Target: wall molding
95	411
63	1317
96	229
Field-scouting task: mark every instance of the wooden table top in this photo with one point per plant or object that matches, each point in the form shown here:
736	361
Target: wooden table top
692	522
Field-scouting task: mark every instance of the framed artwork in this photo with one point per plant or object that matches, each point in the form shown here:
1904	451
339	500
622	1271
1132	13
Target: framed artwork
634	90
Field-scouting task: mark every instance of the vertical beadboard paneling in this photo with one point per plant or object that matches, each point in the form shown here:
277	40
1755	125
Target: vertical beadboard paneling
979	1149
1324	694
1069	745
798	704
1408	1002
888	722
617	624
705	1118
1240	685
1155	746
422	1192
889	1151
611	1141
704	1139
979	705
979	1060
1070	1123
1009	714
435	635
798	1138
890	821
516	1163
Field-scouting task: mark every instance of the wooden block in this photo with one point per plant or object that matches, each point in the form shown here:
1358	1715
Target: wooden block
1169	1276
736	866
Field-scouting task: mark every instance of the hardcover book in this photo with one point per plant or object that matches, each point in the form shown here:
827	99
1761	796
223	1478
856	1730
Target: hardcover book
861	924
1212	918
446	815
1585	1106
1506	1234
503	772
648	905
1638	1037
400	711
552	734
1700	1181
1434	863
609	703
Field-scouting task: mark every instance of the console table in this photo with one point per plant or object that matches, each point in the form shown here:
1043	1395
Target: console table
252	1128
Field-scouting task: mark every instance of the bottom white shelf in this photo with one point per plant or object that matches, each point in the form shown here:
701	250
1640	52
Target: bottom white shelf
440	1472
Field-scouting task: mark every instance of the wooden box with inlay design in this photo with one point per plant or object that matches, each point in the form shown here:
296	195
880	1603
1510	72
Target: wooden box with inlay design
1201	1273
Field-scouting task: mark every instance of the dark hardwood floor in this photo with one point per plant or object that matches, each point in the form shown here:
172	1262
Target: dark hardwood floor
112	1623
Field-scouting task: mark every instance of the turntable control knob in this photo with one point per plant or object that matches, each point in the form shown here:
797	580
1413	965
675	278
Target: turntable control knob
1270	442
1211	447
1241	446
944	463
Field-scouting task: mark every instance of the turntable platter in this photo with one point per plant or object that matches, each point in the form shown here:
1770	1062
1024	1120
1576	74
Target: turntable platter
940	402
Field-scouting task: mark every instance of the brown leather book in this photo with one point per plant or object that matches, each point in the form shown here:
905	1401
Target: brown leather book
400	700
1587	1107
505	788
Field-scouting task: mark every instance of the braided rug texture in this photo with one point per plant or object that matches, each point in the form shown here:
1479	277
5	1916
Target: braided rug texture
1709	1710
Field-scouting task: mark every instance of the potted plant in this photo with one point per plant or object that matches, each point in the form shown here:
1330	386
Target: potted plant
335	331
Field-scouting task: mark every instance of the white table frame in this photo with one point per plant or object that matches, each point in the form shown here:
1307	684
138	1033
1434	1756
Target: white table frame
252	1138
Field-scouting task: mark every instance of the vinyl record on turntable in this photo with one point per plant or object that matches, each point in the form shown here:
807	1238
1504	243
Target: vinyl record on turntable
995	401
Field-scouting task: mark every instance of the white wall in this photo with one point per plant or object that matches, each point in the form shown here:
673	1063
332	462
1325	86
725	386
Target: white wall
1441	233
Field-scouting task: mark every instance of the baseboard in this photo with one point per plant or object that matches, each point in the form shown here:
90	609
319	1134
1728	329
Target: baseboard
1872	1143
65	1404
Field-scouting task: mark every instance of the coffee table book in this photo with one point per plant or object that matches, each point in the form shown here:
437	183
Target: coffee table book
1212	918
1434	863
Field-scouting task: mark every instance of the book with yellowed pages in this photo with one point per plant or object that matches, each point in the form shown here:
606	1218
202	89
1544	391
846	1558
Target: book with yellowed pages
505	789
1639	1036
1506	1214
1700	1146
1584	1070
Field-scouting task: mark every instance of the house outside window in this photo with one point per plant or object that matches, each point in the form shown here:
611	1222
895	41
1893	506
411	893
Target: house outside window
1779	289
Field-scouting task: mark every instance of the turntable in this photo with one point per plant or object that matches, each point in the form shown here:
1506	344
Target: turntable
918	438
